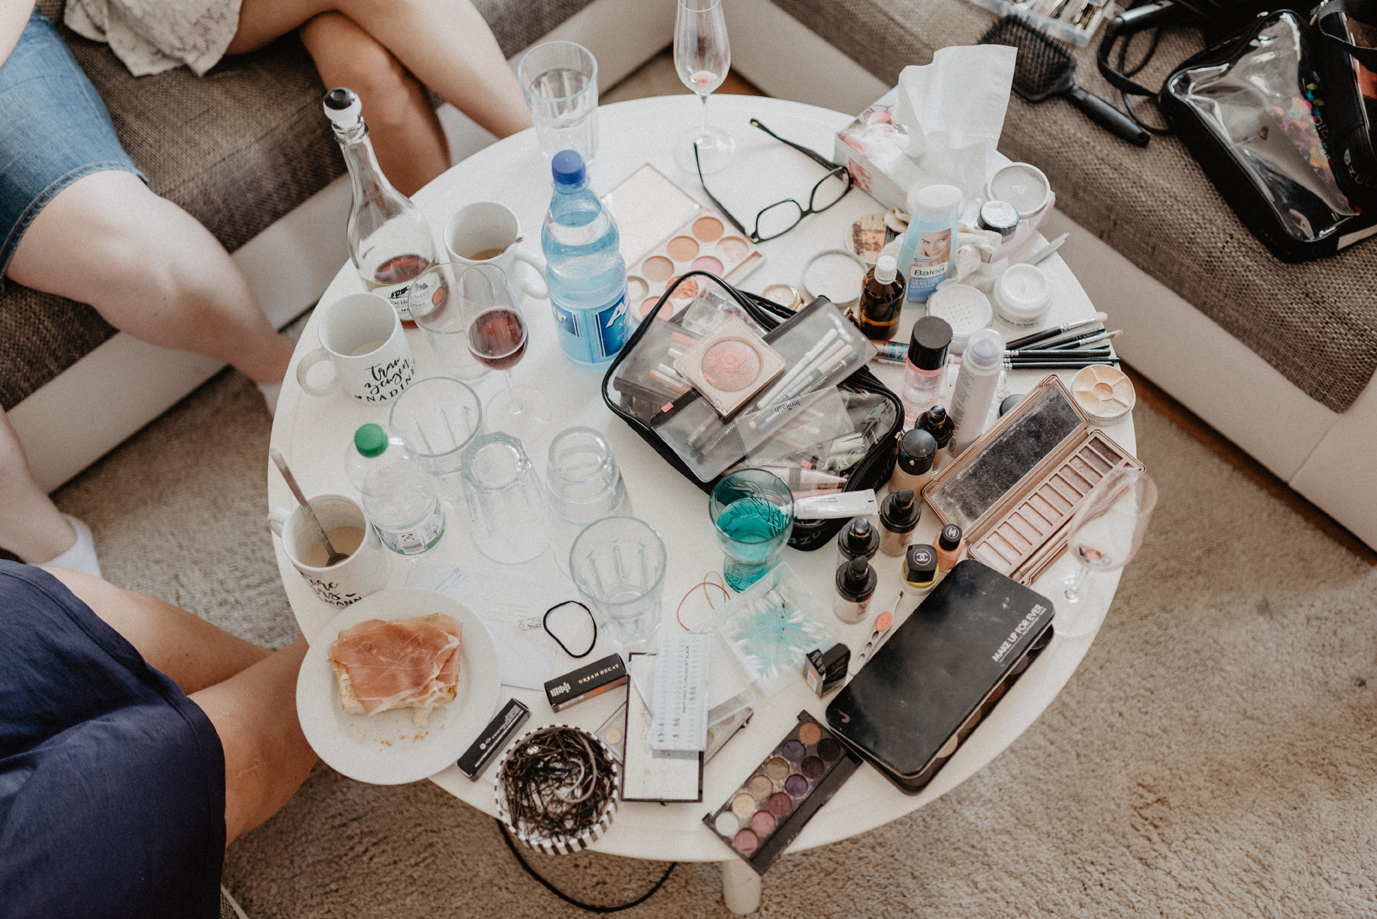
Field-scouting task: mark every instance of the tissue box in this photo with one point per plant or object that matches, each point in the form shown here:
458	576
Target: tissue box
868	149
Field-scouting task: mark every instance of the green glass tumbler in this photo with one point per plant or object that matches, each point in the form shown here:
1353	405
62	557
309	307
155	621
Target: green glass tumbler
752	514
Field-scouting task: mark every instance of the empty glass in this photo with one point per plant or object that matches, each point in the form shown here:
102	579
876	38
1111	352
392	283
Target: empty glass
1104	535
618	565
437	417
436	311
752	514
560	82
584	485
504	498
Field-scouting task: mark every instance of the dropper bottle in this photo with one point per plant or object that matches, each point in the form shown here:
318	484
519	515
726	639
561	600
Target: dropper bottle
882	300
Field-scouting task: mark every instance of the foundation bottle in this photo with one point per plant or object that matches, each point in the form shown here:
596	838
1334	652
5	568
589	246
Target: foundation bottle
938	423
920	567
899	514
856	582
858	539
924	367
913	466
882	300
950	545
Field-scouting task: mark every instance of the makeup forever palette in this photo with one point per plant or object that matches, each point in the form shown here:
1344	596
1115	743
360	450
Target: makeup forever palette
770	809
1014	490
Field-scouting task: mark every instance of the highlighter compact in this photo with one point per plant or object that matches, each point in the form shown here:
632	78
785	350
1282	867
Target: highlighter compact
730	366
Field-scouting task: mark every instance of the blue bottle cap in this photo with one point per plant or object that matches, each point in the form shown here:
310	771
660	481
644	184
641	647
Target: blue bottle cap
568	167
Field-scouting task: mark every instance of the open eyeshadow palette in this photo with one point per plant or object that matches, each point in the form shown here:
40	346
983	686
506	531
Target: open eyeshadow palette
1015	489
770	809
666	233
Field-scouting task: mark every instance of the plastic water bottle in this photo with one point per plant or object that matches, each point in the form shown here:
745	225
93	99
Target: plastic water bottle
399	495
584	271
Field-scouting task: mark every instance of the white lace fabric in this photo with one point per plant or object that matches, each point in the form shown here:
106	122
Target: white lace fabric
151	36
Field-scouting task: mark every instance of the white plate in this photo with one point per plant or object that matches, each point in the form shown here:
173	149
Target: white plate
387	749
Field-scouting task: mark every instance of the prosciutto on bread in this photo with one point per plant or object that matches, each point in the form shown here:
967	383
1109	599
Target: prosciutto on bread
405	663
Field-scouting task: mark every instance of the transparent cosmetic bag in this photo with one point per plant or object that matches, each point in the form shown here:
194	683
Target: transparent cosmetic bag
839	402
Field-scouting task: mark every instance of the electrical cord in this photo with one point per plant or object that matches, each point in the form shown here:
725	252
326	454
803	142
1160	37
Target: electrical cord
589	907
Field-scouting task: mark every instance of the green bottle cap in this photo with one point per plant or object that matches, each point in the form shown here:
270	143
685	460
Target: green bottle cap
371	440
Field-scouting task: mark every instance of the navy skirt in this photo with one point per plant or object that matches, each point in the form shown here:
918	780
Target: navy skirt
112	781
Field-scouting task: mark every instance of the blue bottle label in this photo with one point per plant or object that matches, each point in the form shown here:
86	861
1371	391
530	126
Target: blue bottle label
592	336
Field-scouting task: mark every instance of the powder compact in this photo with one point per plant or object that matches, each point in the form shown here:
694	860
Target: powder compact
730	366
770	809
1105	392
966	309
1014	490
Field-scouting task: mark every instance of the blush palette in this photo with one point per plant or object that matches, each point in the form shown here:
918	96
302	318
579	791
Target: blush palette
770	809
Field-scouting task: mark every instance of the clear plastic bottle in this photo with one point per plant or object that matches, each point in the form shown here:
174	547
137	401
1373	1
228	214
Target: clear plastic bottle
399	495
925	367
389	240
975	387
928	251
584	268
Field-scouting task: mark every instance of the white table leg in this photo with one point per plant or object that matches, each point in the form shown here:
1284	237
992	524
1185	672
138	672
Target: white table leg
740	887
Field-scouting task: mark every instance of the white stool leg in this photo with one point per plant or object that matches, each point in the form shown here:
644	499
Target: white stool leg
740	887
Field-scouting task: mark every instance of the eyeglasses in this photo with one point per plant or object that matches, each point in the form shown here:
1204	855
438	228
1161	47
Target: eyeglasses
782	216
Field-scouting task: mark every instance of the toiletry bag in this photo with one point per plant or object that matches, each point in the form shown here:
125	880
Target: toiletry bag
625	395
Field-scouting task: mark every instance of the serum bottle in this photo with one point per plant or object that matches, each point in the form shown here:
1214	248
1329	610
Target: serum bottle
924	367
882	300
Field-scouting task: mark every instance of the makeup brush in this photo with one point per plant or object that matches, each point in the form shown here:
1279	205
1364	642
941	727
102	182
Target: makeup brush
1053	333
1045	69
1056	354
1057	365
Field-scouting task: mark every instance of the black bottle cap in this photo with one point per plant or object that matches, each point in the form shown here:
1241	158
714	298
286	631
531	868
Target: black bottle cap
1008	403
938	423
856	579
920	564
927	349
950	538
860	539
900	512
917	450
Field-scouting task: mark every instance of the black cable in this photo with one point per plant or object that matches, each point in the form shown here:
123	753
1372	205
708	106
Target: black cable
506	837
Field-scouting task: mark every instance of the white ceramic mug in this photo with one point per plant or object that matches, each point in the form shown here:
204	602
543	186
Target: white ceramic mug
362	338
364	572
490	230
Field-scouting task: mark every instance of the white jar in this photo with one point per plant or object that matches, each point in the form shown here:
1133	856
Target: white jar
1023	294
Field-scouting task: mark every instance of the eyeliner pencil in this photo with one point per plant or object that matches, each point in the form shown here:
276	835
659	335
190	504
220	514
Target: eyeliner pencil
1053	333
1057	365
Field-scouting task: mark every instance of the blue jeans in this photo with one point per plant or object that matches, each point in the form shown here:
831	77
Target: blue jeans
55	129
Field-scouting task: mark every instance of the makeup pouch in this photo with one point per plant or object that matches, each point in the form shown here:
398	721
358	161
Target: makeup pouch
1257	115
821	349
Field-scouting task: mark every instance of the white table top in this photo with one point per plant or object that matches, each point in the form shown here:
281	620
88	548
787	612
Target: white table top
313	435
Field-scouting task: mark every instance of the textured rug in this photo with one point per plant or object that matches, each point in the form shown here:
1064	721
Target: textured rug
1215	755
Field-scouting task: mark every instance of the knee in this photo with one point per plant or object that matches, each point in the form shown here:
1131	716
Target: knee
387	89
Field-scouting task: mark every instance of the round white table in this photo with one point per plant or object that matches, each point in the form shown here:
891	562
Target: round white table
313	434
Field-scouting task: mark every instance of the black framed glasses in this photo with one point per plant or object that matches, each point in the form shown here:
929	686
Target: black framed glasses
779	218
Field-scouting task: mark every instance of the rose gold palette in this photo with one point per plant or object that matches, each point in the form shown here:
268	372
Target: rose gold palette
770	809
1014	490
730	366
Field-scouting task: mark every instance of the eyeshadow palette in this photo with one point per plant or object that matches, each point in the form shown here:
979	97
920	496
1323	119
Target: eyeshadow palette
1016	488
770	809
705	242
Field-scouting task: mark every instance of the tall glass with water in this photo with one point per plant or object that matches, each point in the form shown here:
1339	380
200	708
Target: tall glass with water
560	81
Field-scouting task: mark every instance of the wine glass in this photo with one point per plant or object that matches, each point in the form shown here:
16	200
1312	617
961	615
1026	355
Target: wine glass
1104	535
702	57
497	339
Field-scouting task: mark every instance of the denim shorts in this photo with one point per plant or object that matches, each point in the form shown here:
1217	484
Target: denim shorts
55	130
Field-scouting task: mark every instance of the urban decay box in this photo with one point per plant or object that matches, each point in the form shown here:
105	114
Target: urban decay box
922	694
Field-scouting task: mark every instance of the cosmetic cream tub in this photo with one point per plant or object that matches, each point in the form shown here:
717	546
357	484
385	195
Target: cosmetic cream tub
1023	295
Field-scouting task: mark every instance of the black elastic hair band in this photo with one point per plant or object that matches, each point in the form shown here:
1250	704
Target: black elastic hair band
545	624
590	907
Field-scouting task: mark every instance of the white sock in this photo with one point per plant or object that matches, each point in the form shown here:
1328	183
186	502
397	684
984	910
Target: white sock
82	555
270	393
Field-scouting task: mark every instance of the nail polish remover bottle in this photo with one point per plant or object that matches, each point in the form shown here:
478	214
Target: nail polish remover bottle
899	514
856	582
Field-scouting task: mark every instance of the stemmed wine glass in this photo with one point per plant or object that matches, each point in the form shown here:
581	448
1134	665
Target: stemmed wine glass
702	56
497	339
1104	535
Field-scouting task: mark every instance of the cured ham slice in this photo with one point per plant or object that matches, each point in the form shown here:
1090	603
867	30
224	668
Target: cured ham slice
404	663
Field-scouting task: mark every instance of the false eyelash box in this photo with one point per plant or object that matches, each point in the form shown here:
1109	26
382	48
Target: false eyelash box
910	707
1015	489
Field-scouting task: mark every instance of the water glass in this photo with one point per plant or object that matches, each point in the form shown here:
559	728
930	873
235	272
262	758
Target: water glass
618	565
560	81
437	417
584	485
504	498
752	514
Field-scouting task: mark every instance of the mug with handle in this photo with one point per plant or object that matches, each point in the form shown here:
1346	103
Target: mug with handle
364	572
362	339
486	231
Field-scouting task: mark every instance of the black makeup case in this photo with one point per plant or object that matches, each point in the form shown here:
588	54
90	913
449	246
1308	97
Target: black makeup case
922	694
878	414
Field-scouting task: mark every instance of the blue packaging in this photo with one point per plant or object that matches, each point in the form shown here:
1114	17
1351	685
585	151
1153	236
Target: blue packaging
928	251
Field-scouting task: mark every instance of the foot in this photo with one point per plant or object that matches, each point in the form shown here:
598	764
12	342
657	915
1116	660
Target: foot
81	555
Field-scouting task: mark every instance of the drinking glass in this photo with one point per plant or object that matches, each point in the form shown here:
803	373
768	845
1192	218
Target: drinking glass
618	565
438	417
752	513
584	485
1104	535
497	339
505	499
702	57
436	312
560	82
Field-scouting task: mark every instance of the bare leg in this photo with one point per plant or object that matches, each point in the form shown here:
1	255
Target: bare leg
30	524
445	43
152	270
247	692
406	132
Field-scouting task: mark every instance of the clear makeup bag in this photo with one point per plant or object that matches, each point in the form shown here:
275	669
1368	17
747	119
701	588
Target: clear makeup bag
824	403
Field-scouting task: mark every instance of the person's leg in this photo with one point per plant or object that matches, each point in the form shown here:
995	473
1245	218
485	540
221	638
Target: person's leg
247	692
151	269
446	44
31	526
406	132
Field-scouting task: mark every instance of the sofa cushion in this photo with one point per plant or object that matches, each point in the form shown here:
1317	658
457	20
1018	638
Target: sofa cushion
1315	323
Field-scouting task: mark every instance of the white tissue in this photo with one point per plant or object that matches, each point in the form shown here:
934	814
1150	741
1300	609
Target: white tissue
953	112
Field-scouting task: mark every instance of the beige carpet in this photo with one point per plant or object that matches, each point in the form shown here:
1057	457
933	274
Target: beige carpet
1215	755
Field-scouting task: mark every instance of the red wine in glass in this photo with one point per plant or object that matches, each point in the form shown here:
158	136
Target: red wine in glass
497	338
400	268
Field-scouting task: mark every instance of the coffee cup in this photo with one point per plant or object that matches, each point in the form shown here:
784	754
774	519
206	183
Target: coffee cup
487	232
362	339
367	567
